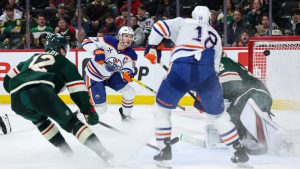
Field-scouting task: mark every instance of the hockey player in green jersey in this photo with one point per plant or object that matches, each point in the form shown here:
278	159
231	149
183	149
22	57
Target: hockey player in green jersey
238	86
242	90
34	86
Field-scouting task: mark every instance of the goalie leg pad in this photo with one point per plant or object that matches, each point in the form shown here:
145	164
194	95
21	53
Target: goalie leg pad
163	126
128	94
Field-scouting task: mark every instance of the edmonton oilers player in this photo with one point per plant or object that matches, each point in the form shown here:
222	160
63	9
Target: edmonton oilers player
113	66
194	65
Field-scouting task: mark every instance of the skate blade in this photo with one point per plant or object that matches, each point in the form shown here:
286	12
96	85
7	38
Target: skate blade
164	164
243	165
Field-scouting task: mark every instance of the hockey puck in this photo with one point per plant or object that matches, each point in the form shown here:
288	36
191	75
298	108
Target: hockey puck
266	52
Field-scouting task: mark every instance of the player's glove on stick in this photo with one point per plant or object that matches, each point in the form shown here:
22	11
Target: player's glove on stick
91	117
127	76
153	53
99	56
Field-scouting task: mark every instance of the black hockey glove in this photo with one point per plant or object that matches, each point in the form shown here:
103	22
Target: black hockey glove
91	117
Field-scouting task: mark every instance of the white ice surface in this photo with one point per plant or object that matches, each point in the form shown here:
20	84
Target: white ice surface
25	148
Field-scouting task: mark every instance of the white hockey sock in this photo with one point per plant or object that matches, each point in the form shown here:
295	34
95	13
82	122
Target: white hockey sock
163	126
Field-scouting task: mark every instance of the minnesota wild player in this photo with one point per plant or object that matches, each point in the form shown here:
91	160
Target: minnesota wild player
250	109
34	86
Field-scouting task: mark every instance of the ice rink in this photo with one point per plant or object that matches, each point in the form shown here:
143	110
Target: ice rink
25	147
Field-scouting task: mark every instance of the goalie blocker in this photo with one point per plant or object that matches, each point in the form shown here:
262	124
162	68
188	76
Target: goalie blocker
5	126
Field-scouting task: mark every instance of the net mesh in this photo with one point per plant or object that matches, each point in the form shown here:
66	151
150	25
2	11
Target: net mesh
277	64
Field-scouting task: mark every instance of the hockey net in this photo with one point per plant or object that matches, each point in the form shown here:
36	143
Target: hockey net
276	61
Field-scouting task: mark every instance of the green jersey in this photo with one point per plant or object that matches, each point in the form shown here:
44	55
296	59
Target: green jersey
8	24
52	69
236	80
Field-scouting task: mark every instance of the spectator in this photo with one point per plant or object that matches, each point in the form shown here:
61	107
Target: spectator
96	12
85	22
134	6
109	27
243	41
10	26
64	29
253	17
144	20
229	8
36	32
245	7
263	28
152	6
68	3
165	10
296	21
218	26
17	8
235	28
32	23
122	19
139	36
61	12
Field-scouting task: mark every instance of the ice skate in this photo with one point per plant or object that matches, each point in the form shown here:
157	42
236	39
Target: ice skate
66	150
240	157
123	116
163	159
106	156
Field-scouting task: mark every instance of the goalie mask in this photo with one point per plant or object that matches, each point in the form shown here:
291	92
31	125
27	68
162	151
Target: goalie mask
125	36
202	14
55	42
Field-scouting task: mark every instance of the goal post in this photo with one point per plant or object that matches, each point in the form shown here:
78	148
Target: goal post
276	61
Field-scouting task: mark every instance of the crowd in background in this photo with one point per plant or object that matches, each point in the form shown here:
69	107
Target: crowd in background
245	18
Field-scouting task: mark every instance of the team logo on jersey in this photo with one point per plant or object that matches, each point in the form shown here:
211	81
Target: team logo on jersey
113	64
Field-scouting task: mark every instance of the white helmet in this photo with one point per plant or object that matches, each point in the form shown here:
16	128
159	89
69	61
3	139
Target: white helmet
202	14
125	29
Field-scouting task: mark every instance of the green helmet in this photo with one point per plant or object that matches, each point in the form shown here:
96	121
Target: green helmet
55	42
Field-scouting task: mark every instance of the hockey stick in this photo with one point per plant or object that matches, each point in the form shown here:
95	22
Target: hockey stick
173	141
153	91
189	92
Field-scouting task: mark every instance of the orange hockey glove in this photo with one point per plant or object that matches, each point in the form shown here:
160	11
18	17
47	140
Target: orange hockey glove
127	76
153	53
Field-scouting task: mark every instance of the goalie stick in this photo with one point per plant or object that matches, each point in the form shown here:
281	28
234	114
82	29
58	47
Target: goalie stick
173	141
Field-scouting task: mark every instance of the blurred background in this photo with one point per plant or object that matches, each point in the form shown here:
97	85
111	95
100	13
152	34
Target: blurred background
24	24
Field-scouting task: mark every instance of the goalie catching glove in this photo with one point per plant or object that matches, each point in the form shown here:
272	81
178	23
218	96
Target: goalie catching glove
91	117
153	53
99	56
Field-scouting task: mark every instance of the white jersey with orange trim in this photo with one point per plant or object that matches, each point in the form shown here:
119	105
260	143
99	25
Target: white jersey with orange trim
190	36
115	60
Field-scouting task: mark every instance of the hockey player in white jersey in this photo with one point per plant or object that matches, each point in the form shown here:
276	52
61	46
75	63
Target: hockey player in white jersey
194	65
113	66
